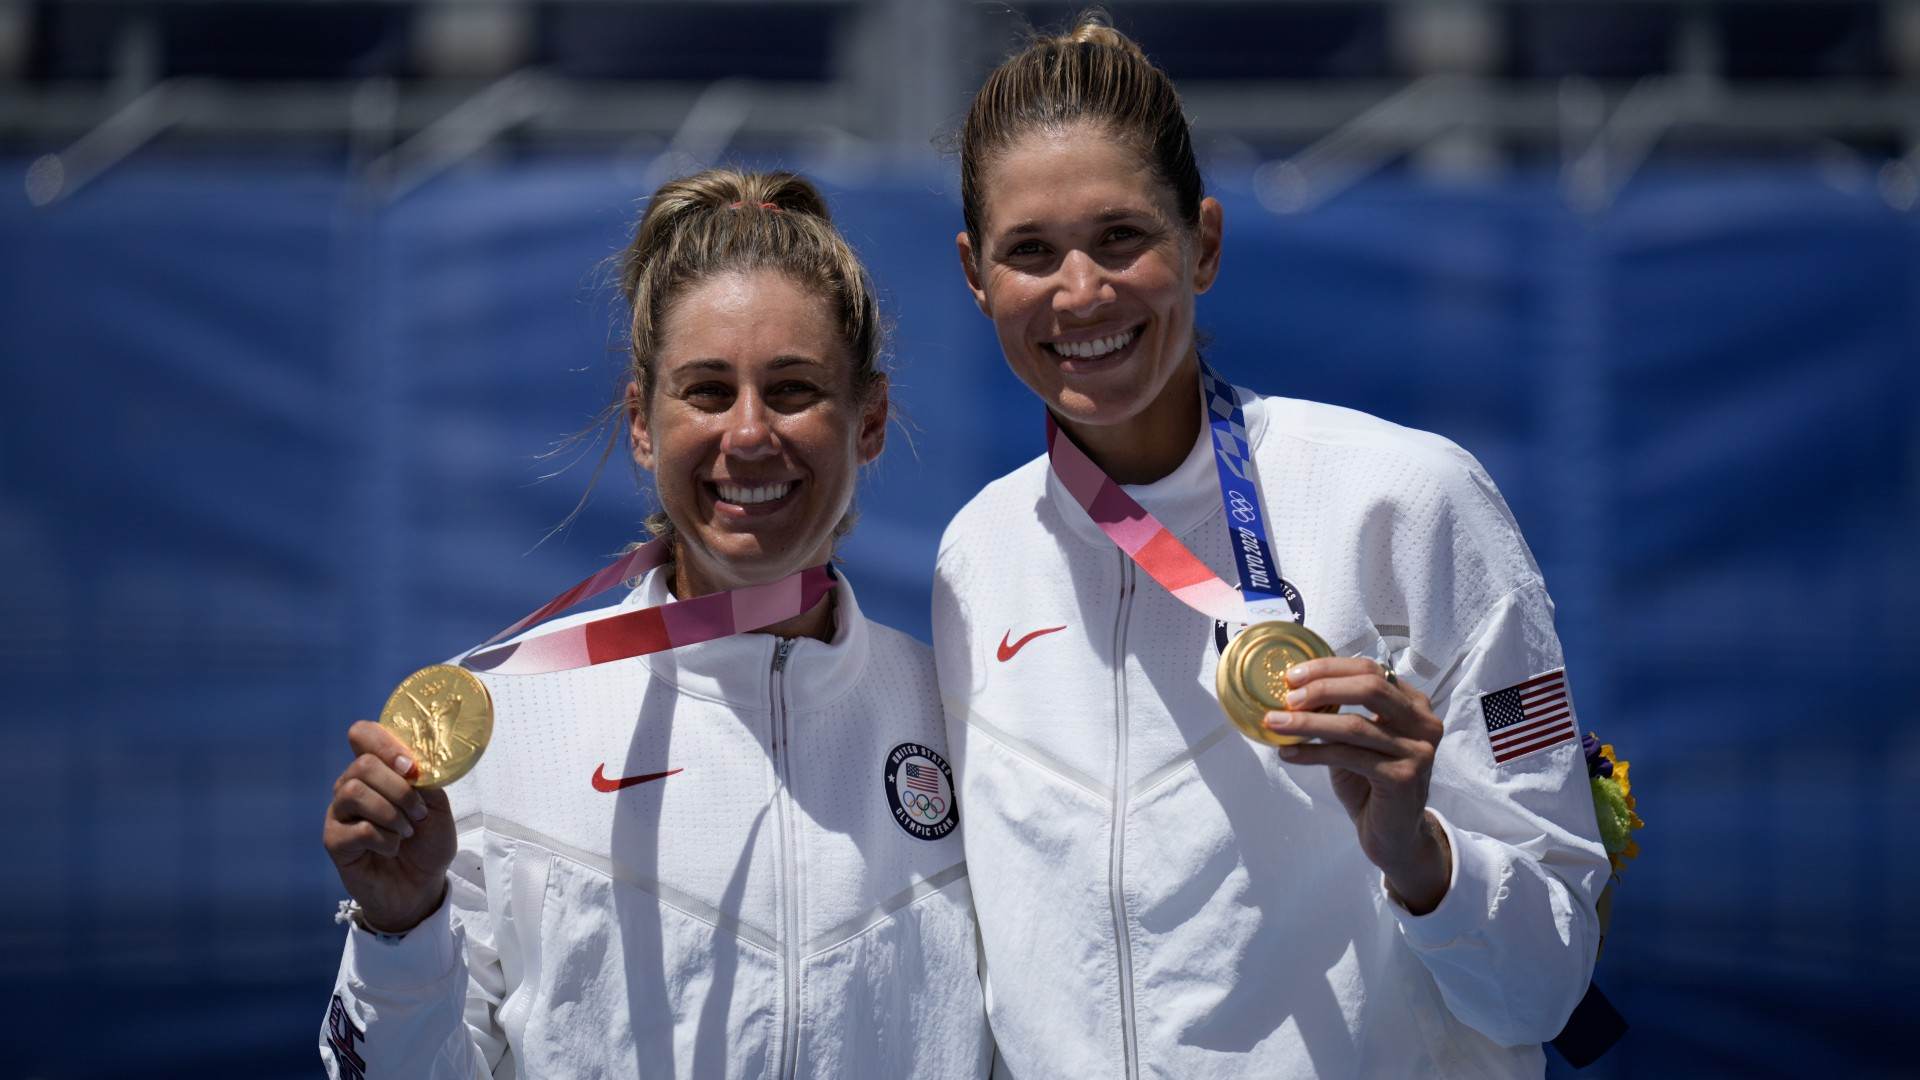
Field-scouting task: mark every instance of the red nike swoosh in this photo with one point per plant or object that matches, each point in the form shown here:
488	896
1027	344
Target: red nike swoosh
1007	651
601	783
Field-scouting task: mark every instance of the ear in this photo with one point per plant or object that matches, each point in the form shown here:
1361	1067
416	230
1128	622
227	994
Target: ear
970	267
637	432
1211	223
873	422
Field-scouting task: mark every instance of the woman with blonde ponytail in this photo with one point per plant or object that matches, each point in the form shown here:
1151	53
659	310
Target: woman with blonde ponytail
1380	858
718	836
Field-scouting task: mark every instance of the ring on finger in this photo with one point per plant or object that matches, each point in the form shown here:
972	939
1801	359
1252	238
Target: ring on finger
1386	672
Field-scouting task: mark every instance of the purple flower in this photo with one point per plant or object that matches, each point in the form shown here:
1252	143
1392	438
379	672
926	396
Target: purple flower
1597	764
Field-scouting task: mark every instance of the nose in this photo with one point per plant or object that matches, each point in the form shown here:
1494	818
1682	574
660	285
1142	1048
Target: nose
1084	288
749	434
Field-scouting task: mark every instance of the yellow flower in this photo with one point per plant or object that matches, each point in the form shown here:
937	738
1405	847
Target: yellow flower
1619	778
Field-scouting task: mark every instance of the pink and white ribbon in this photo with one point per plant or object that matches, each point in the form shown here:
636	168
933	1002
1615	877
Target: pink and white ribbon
1147	542
646	630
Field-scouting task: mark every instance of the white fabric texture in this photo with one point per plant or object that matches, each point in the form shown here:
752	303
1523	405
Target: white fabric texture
761	912
1159	895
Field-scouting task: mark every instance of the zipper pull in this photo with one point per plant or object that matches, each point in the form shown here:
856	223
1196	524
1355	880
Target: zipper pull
780	652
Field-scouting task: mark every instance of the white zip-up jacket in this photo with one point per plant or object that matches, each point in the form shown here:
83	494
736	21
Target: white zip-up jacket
737	858
1159	895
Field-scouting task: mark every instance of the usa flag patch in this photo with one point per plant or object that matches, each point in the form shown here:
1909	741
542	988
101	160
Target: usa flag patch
1529	717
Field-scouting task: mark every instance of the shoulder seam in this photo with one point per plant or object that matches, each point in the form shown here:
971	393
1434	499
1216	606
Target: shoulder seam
1457	652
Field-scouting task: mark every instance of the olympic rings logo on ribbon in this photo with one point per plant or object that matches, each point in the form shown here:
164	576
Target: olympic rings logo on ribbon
1243	509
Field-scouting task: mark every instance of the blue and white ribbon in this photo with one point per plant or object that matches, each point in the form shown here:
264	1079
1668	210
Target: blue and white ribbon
1268	595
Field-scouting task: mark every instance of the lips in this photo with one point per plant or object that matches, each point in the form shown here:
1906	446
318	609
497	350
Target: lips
1081	354
1094	348
745	500
750	494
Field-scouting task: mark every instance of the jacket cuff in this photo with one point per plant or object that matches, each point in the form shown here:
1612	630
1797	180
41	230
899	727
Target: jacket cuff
423	955
1470	894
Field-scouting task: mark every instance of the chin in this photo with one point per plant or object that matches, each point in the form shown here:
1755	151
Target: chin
751	567
1101	405
739	559
1101	397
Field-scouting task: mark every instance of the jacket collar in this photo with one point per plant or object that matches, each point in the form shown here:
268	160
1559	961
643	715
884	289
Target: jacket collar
738	670
1184	498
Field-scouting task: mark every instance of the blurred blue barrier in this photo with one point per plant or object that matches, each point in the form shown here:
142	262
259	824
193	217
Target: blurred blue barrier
267	447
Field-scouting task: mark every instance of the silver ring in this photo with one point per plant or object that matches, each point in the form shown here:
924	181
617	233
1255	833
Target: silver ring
1387	674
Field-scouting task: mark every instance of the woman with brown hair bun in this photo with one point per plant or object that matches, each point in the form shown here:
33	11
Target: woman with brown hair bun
714	831
1406	886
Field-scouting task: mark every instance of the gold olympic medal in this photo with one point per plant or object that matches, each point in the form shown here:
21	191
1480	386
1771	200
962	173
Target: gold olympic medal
1252	677
445	716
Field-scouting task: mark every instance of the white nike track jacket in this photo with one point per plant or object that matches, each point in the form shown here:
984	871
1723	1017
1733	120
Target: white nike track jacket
1159	895
737	858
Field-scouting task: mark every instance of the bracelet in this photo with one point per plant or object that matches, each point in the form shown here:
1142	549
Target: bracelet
350	911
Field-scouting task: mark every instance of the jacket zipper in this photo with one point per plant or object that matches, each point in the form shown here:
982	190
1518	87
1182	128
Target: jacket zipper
1116	864
789	873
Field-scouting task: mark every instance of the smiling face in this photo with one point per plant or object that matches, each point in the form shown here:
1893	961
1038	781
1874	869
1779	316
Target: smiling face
755	433
1089	275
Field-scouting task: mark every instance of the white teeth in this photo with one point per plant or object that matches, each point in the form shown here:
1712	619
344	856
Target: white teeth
747	496
1086	350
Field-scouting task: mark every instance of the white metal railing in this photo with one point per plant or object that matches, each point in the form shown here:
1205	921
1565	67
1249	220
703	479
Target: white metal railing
887	94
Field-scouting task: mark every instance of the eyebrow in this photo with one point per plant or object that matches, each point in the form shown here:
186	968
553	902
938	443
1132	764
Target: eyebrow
785	360
1104	217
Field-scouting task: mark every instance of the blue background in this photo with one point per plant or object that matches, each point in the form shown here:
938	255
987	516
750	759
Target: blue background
268	445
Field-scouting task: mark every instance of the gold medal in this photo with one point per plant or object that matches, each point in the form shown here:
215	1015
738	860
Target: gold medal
1252	677
445	716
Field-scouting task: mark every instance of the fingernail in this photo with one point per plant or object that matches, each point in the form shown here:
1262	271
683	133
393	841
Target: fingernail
404	766
418	811
1295	697
1289	752
406	827
1280	721
1292	674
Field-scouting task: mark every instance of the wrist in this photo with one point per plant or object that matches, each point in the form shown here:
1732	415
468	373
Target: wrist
387	924
1419	877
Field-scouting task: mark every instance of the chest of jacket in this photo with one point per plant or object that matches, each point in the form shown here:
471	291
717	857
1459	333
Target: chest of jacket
774	817
1079	633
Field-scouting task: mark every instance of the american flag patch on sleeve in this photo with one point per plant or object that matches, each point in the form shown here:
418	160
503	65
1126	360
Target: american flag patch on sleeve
1529	716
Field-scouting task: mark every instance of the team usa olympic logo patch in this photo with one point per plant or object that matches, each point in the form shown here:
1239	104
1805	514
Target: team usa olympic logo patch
919	786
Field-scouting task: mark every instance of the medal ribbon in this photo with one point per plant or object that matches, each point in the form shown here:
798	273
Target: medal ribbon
1153	547
1260	583
646	630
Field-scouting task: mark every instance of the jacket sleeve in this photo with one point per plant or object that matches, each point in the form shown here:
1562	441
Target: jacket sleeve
425	1006
1512	943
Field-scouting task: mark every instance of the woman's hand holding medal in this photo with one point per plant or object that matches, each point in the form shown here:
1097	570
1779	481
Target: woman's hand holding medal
390	841
1380	766
766	406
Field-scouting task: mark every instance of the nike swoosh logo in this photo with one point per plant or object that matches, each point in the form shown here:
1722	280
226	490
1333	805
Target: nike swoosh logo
1007	651
601	783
